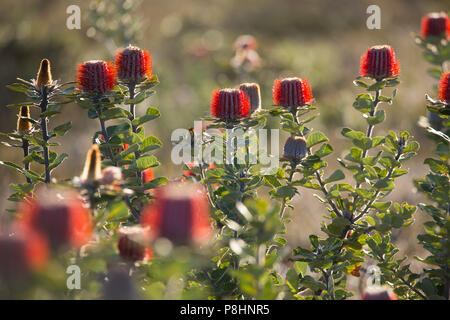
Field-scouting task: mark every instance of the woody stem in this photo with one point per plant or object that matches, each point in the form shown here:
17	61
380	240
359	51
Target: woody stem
43	106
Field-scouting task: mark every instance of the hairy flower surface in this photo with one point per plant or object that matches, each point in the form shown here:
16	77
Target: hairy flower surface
230	104
444	88
295	148
44	75
291	92
379	62
180	213
133	243
96	76
133	64
23	126
92	166
60	216
436	24
253	92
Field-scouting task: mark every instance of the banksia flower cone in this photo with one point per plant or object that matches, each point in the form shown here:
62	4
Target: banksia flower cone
378	293
180	213
379	62
230	104
21	253
436	25
44	75
59	216
23	126
133	64
291	92
254	94
96	76
133	244
444	88
92	170
295	148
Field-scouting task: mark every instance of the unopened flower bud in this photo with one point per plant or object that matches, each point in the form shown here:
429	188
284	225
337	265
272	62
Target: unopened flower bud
23	125
92	165
379	62
295	148
291	92
44	75
253	92
230	104
133	243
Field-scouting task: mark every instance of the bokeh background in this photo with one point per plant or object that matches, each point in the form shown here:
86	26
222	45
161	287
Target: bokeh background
191	42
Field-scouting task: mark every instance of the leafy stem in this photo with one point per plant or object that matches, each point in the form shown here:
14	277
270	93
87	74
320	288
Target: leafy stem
25	147
105	133
43	105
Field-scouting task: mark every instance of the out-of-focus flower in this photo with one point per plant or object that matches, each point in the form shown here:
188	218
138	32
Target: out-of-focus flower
180	213
254	94
133	243
356	271
291	92
92	166
230	104
133	64
295	148
147	175
96	76
378	293
111	175
23	126
246	58
444	88
436	24
245	42
379	62
60	216
44	75
20	253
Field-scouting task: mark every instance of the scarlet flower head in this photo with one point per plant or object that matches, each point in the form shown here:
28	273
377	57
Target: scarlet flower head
60	216
379	62
230	104
291	92
20	253
436	24
96	76
133	243
133	64
180	213
444	88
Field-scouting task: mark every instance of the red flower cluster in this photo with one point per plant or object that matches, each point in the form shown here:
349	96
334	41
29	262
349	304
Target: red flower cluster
379	62
230	104
180	214
444	88
133	64
147	175
96	76
436	25
291	92
62	222
133	244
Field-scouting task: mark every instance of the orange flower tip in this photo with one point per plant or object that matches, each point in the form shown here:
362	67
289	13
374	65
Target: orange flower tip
435	24
96	77
292	92
379	62
60	216
295	148
133	64
92	165
180	213
444	88
23	125
44	75
133	243
253	92
230	104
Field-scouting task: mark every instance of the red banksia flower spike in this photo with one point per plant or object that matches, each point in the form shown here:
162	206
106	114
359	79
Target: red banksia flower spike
180	213
133	244
133	64
44	75
253	92
59	216
291	92
379	62
96	76
435	24
444	88
230	104
147	175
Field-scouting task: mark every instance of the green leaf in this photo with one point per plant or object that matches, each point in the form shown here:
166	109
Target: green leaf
363	103
18	87
437	166
335	176
58	160
146	162
118	211
381	206
115	113
284	192
315	138
324	150
150	143
376	119
337	226
152	113
62	129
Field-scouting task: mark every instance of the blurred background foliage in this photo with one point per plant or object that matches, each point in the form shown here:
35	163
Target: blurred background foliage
191	42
